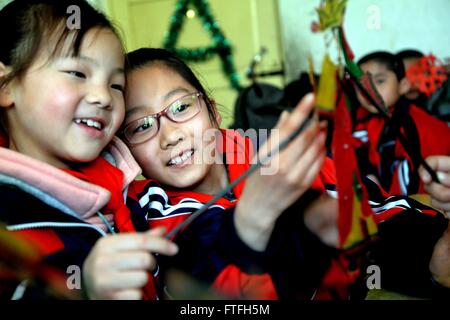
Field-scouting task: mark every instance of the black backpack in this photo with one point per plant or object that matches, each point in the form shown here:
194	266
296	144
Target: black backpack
258	107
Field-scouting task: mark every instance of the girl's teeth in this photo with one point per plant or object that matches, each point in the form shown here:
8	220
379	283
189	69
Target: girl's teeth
89	123
181	158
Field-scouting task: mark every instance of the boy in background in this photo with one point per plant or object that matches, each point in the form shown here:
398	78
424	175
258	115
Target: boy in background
390	164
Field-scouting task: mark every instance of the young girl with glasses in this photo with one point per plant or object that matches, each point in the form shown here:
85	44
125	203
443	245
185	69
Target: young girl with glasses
172	129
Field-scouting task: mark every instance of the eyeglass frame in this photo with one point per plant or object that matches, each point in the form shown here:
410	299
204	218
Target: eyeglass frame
164	112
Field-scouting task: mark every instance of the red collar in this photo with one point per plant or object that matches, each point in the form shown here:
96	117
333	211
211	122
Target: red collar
101	173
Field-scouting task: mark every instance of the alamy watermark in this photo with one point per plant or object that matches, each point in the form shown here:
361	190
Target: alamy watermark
73	281
373	280
74	20
373	21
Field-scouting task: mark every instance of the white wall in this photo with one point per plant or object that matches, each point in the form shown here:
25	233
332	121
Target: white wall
370	25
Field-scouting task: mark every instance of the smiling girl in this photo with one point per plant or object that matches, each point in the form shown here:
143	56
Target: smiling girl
61	100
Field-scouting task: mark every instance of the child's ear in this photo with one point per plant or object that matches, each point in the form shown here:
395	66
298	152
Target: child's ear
404	86
5	91
217	115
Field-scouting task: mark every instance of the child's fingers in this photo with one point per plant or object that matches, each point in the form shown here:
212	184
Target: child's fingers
287	124
424	175
439	163
161	245
296	119
438	191
302	110
282	119
444	178
314	169
127	294
443	206
122	280
311	173
139	241
313	152
134	260
123	242
301	143
289	157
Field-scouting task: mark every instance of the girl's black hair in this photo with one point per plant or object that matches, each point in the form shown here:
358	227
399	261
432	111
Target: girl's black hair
26	24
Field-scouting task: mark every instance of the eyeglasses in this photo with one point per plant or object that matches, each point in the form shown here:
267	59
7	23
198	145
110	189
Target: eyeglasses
145	128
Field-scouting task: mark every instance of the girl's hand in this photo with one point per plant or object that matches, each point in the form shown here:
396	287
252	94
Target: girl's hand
118	265
321	218
440	198
439	192
265	197
440	260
